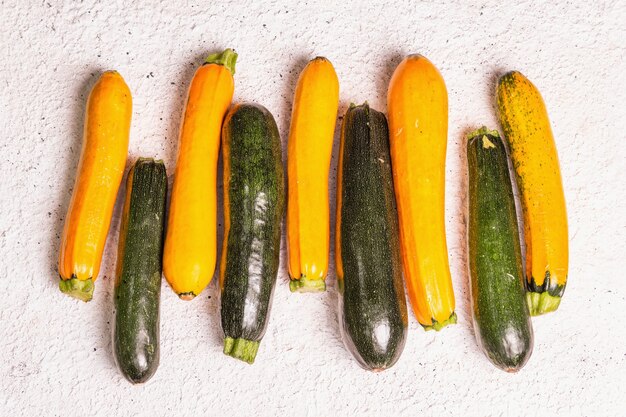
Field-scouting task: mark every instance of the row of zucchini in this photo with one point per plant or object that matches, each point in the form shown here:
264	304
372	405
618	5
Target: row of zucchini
390	213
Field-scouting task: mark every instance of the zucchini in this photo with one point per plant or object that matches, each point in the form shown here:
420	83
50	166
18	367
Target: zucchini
190	249
417	103
138	282
526	127
501	317
254	202
372	307
310	146
100	172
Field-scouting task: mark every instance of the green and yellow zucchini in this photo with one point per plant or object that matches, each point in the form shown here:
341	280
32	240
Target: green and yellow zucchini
526	126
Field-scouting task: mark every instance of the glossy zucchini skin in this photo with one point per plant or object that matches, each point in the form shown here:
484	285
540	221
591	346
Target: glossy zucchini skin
501	317
254	200
372	309
138	283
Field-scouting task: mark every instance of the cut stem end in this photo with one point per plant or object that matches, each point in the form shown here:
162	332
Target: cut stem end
241	349
440	325
227	58
542	302
186	296
80	289
307	285
482	132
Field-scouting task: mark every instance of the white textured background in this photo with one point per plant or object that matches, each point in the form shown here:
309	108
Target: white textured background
55	352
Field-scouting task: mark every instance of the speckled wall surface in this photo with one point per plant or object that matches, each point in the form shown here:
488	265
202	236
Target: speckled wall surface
56	356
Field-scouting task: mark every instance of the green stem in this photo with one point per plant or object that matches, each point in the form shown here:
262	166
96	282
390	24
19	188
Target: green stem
227	58
307	285
438	326
482	131
187	296
542	302
81	289
241	349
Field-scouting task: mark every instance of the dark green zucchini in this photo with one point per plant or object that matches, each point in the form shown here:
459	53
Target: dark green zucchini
372	307
138	283
501	318
254	200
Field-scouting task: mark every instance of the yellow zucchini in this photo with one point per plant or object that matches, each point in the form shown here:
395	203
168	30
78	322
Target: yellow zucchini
190	244
417	103
526	126
308	162
100	171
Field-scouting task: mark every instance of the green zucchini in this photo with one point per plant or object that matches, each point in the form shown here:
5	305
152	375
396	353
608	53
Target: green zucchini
501	317
254	200
138	282
372	305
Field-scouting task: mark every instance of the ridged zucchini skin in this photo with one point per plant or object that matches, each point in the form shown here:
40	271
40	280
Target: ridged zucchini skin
309	152
254	200
190	253
100	173
417	105
138	283
501	317
372	309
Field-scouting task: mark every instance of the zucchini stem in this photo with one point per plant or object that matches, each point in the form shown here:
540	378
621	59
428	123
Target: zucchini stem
187	296
307	285
227	58
438	326
241	349
482	132
542	302
80	289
